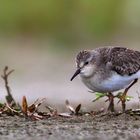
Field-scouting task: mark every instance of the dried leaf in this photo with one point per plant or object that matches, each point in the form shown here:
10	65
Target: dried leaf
50	109
36	104
24	105
35	116
70	107
77	109
67	115
32	108
39	102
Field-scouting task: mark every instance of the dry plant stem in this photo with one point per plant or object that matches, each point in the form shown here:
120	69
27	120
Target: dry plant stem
7	105
50	109
9	96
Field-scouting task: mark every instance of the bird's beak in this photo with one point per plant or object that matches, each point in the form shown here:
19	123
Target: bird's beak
75	74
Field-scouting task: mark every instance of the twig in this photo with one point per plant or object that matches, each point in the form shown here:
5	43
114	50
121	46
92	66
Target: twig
9	96
7	105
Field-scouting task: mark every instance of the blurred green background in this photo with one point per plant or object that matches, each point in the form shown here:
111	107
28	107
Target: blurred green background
70	21
40	38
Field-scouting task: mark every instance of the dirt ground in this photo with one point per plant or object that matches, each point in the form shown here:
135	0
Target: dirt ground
100	127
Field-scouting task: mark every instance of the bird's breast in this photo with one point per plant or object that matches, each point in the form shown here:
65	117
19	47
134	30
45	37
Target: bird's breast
109	83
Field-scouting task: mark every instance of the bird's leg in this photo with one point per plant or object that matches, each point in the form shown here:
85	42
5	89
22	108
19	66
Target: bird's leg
111	102
123	97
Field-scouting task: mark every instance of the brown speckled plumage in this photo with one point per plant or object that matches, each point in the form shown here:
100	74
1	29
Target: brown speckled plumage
125	61
122	60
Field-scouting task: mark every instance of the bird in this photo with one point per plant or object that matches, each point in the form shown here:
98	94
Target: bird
109	69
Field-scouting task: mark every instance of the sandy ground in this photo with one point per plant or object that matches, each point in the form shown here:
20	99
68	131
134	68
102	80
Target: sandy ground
108	127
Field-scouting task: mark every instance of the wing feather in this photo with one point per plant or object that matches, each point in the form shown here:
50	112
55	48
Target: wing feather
124	61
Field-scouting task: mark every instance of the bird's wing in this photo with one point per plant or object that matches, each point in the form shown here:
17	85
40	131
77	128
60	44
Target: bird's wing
124	61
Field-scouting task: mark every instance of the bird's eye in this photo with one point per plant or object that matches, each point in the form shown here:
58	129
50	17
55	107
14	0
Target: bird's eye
86	63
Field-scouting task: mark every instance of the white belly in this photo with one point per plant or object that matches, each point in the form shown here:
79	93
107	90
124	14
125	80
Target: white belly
113	83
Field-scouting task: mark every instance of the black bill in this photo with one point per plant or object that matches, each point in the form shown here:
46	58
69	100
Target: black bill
75	74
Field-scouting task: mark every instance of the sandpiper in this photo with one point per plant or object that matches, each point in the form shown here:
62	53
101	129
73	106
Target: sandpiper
109	69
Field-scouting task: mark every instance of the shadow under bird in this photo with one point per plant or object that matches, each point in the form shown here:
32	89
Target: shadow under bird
109	69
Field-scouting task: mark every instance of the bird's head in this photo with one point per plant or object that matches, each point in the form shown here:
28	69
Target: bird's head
85	63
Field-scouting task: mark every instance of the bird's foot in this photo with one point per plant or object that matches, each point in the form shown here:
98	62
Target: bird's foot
123	96
122	99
